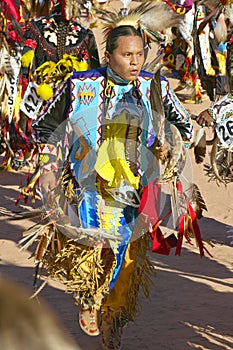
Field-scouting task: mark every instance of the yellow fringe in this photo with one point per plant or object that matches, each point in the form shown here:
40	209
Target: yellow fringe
83	270
27	58
139	281
141	278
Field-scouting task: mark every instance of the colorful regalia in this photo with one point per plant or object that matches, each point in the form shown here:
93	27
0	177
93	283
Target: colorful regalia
100	134
52	45
111	160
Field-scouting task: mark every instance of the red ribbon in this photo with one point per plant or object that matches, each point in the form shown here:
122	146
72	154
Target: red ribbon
149	214
180	235
12	10
195	229
170	4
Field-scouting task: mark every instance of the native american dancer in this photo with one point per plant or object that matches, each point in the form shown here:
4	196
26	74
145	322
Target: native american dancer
229	61
214	19
44	35
102	199
219	115
55	45
198	51
179	52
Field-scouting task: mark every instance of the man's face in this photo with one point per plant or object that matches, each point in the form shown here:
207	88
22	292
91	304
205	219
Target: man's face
127	59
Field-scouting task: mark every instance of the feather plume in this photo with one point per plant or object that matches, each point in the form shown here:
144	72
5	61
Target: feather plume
26	214
149	16
197	201
58	242
220	30
155	64
211	4
157	105
172	135
41	248
160	17
112	19
73	8
39	8
213	156
228	13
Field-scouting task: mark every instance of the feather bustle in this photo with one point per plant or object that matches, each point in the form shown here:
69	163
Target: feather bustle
197	201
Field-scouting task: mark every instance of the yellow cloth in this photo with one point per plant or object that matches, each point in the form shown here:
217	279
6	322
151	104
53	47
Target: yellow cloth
222	63
111	164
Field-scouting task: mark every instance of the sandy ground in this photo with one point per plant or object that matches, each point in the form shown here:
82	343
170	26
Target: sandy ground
190	306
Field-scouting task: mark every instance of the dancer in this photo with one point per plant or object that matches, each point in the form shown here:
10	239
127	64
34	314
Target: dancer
54	38
104	198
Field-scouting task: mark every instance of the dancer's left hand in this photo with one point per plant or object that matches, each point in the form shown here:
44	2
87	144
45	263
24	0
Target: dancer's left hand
204	119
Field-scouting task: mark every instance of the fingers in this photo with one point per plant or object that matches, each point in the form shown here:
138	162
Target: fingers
204	119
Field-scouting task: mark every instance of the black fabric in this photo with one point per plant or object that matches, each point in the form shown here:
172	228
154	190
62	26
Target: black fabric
51	129
54	37
172	116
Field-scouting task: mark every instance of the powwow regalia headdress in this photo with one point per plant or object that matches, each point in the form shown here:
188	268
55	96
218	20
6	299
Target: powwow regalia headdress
152	18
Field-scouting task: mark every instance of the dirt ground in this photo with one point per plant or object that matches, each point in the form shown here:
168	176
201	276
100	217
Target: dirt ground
190	306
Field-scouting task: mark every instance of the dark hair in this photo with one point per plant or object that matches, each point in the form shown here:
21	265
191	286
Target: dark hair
125	30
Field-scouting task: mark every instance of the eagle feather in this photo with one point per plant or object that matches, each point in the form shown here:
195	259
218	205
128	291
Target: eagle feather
197	201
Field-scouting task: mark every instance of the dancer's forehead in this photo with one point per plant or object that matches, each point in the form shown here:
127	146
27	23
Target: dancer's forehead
130	44
119	32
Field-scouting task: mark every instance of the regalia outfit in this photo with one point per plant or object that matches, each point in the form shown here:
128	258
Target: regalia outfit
111	160
47	40
98	133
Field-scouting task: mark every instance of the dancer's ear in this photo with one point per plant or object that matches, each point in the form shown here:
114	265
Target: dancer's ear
107	56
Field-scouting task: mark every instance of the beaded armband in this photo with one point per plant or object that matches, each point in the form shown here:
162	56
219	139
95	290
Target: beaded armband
47	158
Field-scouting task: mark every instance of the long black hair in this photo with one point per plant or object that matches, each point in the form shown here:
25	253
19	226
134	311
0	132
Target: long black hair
115	33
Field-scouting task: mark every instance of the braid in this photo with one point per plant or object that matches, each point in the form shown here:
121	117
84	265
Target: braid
61	38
